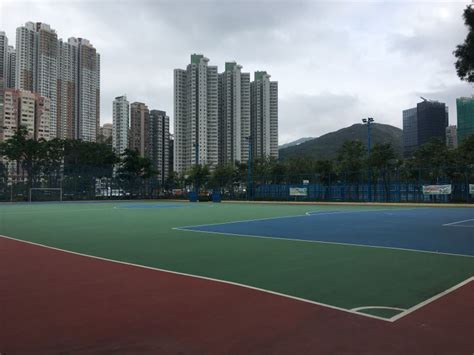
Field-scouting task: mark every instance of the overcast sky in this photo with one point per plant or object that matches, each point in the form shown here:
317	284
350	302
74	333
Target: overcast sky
335	61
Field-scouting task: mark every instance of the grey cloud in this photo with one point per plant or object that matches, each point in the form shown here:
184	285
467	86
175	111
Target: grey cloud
314	115
335	61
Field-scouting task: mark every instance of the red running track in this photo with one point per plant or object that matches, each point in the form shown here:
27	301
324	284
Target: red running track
52	302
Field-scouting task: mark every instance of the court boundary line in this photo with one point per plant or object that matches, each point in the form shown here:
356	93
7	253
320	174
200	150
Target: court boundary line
188	229
199	277
357	309
432	299
455	224
306	214
275	293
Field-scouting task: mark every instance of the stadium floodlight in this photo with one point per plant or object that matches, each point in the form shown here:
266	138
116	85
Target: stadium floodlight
249	168
369	121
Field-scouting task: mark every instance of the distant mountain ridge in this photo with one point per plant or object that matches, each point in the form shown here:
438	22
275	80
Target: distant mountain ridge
326	146
296	142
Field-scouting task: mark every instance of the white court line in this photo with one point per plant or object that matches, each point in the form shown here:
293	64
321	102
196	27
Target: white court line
187	229
430	300
199	277
357	309
393	319
8	213
307	214
458	222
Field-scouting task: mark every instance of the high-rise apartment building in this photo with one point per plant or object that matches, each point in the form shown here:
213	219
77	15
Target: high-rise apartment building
157	149
264	115
3	56
432	120
67	90
121	124
20	107
37	63
426	121
68	73
139	124
8	113
451	137
88	90
105	134
196	114
410	131
234	114
11	67
465	113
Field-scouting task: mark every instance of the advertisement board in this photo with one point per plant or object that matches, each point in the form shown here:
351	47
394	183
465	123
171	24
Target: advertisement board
298	191
436	189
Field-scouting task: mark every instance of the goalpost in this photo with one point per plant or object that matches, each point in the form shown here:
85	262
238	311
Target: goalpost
47	192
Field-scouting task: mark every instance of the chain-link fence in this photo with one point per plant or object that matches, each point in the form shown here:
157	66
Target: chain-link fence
451	185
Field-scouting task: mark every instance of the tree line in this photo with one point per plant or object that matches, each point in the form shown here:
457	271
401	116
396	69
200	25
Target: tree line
57	162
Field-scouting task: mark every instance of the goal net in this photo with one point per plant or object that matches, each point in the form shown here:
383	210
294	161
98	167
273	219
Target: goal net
38	194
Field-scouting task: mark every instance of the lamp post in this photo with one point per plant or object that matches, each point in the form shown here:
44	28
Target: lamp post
249	168
369	121
196	182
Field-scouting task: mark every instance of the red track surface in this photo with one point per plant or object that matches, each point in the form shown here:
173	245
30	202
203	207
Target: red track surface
54	302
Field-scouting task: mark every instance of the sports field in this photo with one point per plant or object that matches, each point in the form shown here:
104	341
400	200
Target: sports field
271	278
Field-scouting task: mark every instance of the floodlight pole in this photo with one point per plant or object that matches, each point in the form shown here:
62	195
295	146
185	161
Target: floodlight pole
369	121
249	168
196	187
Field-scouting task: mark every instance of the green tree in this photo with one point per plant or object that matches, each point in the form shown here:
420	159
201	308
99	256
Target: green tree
432	160
223	177
382	161
198	175
465	52
351	160
27	153
134	170
299	169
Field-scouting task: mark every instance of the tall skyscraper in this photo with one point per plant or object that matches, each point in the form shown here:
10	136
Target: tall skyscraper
432	120
67	90
11	67
38	62
426	121
451	137
234	114
410	131
157	149
195	114
3	56
139	123
88	90
121	124
264	115
465	111
68	73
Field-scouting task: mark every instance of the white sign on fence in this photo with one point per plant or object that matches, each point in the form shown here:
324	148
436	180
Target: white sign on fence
436	189
305	182
471	189
298	191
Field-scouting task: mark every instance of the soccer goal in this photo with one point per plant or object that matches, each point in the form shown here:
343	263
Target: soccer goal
45	194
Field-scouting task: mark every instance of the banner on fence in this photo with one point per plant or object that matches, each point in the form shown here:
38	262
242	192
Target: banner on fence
471	189
298	191
436	189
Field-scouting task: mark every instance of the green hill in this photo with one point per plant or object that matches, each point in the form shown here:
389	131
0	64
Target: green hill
326	146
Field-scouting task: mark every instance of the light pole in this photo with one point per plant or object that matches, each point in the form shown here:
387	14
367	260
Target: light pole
369	121
196	182
249	168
